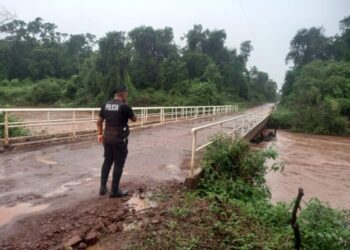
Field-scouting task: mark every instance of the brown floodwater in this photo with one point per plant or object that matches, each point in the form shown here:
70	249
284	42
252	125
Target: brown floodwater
318	164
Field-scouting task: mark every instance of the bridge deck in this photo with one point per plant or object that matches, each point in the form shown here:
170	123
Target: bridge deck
63	174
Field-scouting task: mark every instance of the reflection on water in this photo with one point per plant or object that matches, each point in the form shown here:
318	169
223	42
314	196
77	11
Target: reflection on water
8	213
318	164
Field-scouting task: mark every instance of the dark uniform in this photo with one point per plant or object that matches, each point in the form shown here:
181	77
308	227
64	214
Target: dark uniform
115	140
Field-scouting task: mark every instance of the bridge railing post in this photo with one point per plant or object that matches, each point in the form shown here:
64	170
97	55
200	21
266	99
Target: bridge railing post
74	125
233	130
160	116
193	154
6	129
142	116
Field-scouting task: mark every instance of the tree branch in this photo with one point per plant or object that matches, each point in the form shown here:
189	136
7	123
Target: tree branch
293	221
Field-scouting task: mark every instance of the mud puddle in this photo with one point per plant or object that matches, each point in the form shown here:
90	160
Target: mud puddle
63	188
318	164
140	203
46	161
7	213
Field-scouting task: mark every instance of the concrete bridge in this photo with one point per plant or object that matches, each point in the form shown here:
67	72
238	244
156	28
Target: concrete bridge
64	174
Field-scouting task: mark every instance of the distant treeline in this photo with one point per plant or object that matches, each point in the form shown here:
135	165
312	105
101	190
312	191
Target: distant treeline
316	91
41	66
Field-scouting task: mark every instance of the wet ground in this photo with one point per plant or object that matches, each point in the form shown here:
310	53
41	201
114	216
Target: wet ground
54	177
318	164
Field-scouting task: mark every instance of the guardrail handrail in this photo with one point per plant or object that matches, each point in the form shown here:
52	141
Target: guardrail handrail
75	116
258	116
98	109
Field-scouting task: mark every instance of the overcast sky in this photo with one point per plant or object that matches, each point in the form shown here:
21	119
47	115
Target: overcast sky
269	24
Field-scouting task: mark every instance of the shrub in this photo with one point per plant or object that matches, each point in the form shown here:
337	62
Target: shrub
323	227
70	91
13	132
46	91
234	170
282	118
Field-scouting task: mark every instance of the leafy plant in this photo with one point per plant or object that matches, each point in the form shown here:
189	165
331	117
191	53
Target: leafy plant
13	132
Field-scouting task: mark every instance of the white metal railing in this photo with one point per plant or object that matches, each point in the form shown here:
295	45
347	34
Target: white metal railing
73	122
238	126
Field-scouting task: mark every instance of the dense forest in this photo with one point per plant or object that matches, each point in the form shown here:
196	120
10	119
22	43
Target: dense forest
41	66
315	96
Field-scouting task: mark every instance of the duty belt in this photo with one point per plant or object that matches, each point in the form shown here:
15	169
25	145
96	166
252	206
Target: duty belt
116	134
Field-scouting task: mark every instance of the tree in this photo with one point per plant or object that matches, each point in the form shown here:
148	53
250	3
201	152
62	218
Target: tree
77	49
146	59
172	71
6	16
214	47
195	38
212	74
111	61
308	45
196	63
149	49
245	49
342	42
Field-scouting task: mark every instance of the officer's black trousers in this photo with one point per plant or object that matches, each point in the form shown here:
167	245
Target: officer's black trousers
116	153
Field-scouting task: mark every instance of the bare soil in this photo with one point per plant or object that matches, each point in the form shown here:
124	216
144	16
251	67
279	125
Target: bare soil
97	223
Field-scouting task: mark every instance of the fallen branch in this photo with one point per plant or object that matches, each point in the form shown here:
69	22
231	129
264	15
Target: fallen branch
293	221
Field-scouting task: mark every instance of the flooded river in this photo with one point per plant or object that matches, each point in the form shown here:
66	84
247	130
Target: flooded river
318	164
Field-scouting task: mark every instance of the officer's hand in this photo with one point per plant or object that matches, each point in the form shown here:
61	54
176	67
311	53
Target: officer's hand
100	138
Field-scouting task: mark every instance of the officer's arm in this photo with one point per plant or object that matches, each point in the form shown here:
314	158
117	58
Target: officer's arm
131	114
100	130
99	125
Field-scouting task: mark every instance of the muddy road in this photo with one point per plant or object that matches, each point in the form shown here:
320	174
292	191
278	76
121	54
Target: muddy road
318	164
54	177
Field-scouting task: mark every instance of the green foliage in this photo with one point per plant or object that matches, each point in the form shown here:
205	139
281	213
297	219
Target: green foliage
318	101
13	132
37	50
203	93
70	91
144	58
45	91
308	45
323	227
282	118
316	91
232	170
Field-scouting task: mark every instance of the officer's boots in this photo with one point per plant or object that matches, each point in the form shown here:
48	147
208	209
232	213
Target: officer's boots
118	193
103	188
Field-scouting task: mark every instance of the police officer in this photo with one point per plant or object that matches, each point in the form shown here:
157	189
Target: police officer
116	113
